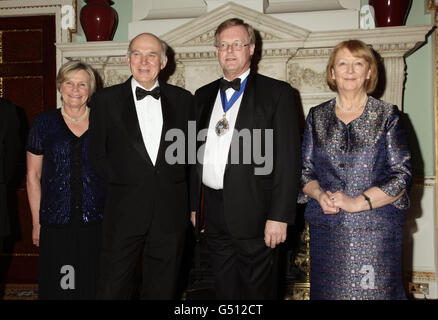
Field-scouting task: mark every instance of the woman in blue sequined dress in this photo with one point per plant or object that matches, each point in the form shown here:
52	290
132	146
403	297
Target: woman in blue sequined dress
66	196
356	175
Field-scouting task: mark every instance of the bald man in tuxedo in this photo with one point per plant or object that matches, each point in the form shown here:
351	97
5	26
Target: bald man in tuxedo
147	211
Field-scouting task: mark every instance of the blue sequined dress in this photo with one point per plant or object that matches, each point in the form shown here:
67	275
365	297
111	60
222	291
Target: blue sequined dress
356	255
71	210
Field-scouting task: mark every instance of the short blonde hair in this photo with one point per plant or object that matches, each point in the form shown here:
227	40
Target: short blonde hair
69	68
358	49
232	23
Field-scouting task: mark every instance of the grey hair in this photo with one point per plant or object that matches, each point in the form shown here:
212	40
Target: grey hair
164	45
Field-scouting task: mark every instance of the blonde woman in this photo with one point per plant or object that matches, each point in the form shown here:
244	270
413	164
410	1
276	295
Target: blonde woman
66	197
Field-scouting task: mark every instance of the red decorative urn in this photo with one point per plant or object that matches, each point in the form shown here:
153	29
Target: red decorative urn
390	13
99	20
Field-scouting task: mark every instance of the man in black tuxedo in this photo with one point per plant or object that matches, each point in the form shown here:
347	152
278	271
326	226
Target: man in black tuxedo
147	202
247	207
11	145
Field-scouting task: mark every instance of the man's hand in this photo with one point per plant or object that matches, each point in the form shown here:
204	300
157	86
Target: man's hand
275	233
193	218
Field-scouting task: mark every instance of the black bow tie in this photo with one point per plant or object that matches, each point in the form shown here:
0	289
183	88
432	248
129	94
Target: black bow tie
235	84
141	93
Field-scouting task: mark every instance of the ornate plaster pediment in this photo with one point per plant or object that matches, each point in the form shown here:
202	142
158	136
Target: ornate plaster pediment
288	53
200	31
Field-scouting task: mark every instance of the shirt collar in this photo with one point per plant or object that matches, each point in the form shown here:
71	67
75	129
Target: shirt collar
135	83
242	76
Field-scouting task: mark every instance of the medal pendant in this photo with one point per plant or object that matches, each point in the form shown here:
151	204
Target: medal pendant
222	126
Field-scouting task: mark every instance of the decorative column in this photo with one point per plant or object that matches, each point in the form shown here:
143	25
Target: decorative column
395	71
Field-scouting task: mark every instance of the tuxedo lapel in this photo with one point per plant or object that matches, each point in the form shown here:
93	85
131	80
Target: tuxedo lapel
244	118
130	120
167	106
245	115
207	106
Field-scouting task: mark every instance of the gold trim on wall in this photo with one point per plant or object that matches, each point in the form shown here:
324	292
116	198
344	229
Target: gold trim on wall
423	276
1	47
22	77
17	30
16	77
19	254
432	6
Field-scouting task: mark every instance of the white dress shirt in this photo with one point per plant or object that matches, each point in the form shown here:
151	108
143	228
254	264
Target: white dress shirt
217	147
150	119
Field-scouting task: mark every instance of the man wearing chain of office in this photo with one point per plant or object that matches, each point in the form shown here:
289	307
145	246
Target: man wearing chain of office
246	212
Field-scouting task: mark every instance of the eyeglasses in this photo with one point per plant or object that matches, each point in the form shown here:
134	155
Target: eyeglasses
235	46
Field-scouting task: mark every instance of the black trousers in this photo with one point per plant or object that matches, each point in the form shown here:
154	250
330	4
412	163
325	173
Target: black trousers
242	268
161	261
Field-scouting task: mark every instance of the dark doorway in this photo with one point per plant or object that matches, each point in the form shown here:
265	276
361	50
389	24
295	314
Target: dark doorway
27	78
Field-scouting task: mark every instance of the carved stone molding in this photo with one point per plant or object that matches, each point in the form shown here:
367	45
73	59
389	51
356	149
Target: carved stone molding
266	25
208	37
289	52
300	77
113	76
178	78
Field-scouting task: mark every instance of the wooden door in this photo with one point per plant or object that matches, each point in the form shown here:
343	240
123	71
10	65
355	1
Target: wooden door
27	78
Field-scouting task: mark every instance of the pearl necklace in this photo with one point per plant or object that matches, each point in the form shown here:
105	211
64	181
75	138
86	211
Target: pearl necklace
82	117
352	110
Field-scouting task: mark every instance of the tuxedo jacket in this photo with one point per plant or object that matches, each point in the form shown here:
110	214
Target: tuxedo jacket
138	191
11	145
250	199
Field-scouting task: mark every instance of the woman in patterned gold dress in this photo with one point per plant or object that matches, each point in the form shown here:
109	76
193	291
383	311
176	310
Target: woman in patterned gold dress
355	178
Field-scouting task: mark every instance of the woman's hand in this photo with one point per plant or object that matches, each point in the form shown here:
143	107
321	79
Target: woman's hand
34	165
36	234
313	190
346	203
327	204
